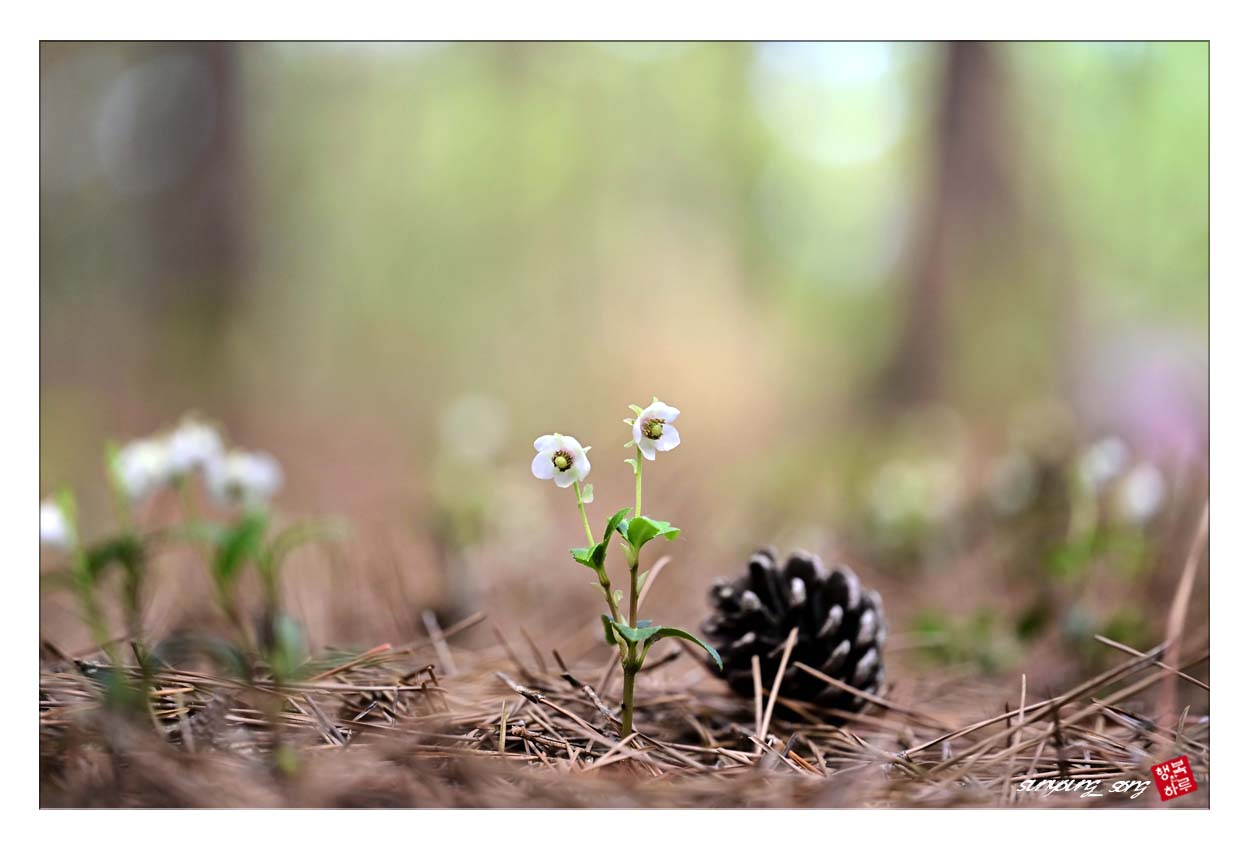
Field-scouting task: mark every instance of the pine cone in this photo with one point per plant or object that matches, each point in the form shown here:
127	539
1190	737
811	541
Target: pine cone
841	629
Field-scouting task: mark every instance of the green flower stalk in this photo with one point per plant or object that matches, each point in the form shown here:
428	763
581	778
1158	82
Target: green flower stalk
240	484
562	459
58	530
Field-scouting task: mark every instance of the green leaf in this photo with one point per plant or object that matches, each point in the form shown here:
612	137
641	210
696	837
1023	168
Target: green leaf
126	550
240	542
632	461
588	493
301	534
635	635
591	556
618	595
640	581
616	523
643	529
585	555
609	636
594	556
668	631
637	410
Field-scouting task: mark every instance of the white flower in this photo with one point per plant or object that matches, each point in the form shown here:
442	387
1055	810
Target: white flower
54	527
1102	461
560	458
654	429
143	466
243	478
1141	494
194	444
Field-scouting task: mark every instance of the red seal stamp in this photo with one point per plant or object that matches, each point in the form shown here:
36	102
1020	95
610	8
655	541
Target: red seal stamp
1174	779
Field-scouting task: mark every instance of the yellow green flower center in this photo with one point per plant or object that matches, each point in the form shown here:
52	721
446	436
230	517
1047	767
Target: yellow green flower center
653	428
562	460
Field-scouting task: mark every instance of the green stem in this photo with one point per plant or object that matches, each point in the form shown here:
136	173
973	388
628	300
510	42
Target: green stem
633	590
581	507
606	584
638	481
96	624
630	664
627	700
226	600
121	499
604	581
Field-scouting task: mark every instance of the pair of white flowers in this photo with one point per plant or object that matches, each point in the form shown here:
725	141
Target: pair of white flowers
145	466
233	477
562	459
1142	488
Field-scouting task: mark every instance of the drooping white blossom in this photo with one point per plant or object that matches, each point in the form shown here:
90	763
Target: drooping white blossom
243	478
654	430
193	445
561	459
1142	493
1102	462
55	530
143	466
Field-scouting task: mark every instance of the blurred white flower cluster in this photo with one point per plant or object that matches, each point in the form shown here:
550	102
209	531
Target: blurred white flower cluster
1105	472
233	477
1140	488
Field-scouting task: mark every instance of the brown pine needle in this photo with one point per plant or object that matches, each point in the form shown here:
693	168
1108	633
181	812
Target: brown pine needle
781	672
759	694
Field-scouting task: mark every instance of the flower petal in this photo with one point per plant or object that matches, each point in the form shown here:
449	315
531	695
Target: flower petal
665	411
647	447
638	430
669	439
54	528
542	466
581	465
566	477
546	443
570	445
652	411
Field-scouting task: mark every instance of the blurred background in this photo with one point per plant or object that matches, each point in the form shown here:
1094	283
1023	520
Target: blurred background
937	310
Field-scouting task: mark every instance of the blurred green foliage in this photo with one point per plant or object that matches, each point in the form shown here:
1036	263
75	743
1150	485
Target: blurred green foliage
980	639
417	219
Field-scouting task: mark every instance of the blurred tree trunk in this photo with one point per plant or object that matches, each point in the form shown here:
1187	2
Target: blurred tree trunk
197	225
970	200
199	228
